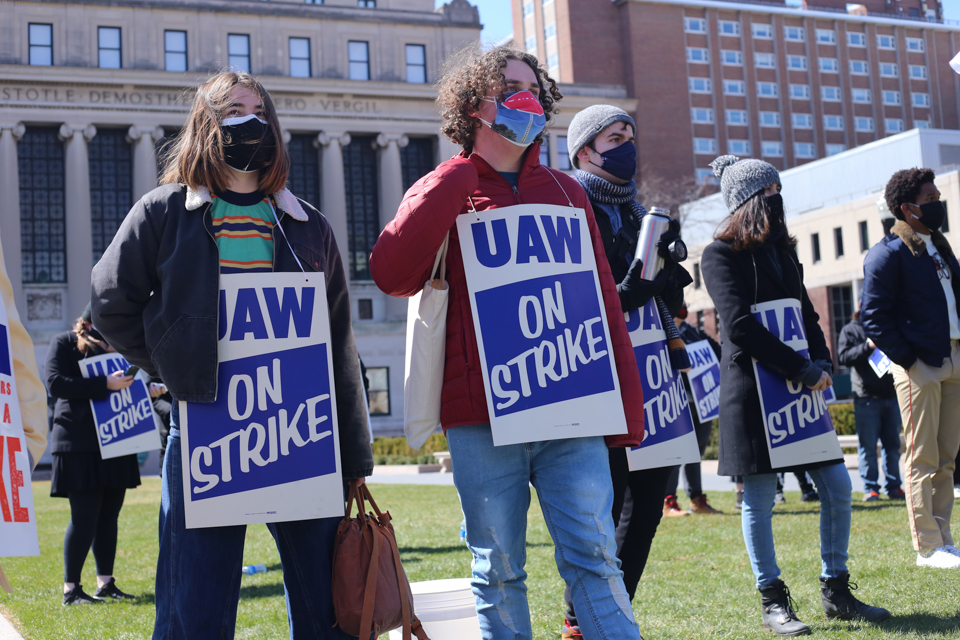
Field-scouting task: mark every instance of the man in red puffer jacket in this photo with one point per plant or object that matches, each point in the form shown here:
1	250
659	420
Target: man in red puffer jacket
495	104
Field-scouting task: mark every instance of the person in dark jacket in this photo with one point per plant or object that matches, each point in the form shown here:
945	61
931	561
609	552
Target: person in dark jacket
753	260
224	209
94	486
911	284
876	412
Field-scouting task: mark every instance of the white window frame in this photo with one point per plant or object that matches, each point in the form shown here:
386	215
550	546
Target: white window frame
731	58
771	148
770	119
917	72
921	124
736	118
863	124
886	42
414	68
738	147
774	93
694	25
105	54
706	85
794	34
893	125
828	65
698	55
797	63
856	39
706	111
894	98
729	28
826	36
40	39
173	58
890	67
804	150
704	146
919	99
832	123
550	31
355	71
834	149
765	61
859	68
531	44
740	85
761	31
527	9
916	44
824	90
801	120
296	66
861	96
802	89
234	55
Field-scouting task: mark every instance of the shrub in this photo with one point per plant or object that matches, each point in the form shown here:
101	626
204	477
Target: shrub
842	416
396	451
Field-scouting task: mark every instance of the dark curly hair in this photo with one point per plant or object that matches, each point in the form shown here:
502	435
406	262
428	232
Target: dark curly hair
471	74
904	187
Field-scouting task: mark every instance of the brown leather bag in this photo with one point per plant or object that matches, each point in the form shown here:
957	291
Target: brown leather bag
371	593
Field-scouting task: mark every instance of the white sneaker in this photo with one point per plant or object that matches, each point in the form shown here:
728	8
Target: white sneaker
956	491
939	559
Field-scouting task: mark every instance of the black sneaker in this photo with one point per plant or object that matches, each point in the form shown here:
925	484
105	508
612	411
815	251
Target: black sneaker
78	596
110	590
810	496
739	505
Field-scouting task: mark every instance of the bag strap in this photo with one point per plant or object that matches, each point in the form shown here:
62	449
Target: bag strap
441	259
370	589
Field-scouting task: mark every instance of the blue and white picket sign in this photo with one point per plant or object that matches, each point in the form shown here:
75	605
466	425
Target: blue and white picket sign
545	349
669	437
125	420
704	376
18	519
268	449
798	426
880	363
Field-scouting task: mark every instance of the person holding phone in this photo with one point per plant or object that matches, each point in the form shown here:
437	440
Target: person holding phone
95	487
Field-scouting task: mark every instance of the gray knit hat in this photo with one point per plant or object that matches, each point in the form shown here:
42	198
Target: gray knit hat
740	180
588	124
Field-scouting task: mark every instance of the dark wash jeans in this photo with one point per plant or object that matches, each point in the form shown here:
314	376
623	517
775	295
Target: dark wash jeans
878	418
199	570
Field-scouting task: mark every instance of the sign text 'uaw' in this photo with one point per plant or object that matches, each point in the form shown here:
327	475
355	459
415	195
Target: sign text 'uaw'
704	376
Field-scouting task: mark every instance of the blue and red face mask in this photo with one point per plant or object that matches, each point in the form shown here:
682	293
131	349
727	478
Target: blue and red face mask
520	117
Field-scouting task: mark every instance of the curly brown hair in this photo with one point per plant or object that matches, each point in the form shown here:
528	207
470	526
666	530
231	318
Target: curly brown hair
904	187
471	74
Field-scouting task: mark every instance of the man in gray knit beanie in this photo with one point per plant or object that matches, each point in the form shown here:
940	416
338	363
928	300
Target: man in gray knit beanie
740	180
589	123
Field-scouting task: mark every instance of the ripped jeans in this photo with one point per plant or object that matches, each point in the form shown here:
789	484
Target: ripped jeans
572	479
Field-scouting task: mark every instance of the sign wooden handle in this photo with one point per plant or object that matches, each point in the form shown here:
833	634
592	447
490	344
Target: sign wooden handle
4	582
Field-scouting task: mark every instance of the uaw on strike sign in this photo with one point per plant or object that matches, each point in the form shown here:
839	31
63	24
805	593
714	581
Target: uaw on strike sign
18	523
268	449
545	349
798	426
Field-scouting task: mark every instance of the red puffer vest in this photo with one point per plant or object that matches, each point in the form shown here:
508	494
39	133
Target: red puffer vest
404	254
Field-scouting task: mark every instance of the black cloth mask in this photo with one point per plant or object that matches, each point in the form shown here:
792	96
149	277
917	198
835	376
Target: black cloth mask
778	224
248	143
932	214
620	162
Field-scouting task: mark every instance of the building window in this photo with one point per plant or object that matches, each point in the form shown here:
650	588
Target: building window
304	176
921	124
734	87
705	176
731	58
367	4
764	60
918	72
769	118
700	85
545	152
696	275
815	246
550	31
801	120
762	31
417	159
416	63
738	147
43	235
694	25
704	145
833	123
41	44
175	50
861	123
830	94
893	125
531	44
794	34
886	42
915	44
920	99
736	117
891	97
828	65
300	57
797	63
842	308
834	149
699	56
701	116
855	39
238	51
771	149
728	28
800	91
365	312
111	185
804	150
108	47
767	89
889	70
313	1
363	208
563	154
378	394
859	68
527	9
826	36
862	96
553	63
359	56
864	237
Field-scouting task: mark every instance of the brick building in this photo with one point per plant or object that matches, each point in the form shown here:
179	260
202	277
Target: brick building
769	80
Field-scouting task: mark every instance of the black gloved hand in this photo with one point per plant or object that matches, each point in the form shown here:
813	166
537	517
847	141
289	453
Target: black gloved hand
635	291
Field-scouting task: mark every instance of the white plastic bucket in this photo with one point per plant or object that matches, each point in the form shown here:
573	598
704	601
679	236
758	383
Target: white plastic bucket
446	608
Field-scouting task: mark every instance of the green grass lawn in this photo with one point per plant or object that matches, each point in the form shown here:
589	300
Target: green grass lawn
697	584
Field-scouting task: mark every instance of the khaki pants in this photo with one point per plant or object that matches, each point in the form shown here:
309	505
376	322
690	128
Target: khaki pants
929	400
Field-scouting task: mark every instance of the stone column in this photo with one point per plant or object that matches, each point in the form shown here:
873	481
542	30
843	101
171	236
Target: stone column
144	159
391	195
79	229
333	196
10	207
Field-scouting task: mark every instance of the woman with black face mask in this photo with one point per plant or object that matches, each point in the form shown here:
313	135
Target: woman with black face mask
752	261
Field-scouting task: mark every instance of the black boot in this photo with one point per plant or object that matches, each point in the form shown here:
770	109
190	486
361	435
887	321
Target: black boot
838	602
778	614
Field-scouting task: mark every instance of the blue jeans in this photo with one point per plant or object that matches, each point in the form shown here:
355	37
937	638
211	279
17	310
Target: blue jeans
198	570
878	418
572	479
833	484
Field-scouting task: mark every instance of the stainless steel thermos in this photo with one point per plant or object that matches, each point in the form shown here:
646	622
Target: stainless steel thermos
652	226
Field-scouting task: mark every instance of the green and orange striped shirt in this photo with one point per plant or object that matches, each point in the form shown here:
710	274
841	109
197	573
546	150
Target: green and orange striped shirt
243	227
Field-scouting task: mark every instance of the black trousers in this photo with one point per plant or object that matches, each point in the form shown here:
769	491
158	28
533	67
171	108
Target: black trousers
93	522
691	471
637	509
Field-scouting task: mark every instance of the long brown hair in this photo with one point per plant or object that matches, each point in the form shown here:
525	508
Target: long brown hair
753	224
85	342
195	158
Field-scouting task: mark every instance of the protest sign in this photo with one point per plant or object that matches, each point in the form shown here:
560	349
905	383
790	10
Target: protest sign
18	523
669	437
798	426
545	349
704	376
268	449
125	419
880	363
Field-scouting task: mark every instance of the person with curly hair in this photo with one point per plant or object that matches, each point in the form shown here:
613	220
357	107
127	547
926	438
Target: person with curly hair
911	283
495	104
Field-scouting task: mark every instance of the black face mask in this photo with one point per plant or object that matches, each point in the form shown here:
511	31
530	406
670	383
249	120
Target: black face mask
778	225
248	143
932	214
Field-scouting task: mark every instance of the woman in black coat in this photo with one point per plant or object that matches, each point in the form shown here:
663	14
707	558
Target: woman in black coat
753	260
95	487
